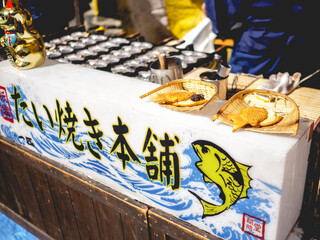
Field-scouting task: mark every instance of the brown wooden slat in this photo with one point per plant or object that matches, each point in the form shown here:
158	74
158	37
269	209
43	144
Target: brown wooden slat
158	236
85	215
164	224
40	186
63	205
133	229
4	194
109	222
12	186
28	194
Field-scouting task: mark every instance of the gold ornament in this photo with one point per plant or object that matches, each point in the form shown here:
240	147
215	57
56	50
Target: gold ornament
23	44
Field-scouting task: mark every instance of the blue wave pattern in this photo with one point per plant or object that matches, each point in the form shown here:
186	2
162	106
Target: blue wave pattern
135	179
6	130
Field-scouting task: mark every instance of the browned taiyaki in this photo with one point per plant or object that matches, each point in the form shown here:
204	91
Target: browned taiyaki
172	97
194	100
189	103
249	115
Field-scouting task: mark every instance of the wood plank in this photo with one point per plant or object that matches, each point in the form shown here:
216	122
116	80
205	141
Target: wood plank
30	199
158	236
24	223
41	188
12	186
164	224
134	229
63	204
109	222
85	215
4	194
28	194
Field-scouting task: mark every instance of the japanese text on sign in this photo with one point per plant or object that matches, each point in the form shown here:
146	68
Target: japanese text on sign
162	163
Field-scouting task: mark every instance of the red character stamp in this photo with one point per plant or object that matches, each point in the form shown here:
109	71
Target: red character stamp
253	226
5	105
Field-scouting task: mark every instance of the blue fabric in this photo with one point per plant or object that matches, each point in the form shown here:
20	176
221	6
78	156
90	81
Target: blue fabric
225	16
275	35
9	230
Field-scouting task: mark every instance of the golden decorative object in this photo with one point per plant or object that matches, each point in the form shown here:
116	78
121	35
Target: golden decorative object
276	103
208	90
23	44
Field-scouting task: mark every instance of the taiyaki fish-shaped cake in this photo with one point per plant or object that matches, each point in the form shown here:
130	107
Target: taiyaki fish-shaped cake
24	46
172	97
183	95
180	98
254	116
194	100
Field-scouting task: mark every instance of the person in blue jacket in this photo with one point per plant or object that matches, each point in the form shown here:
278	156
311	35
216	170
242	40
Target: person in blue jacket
270	36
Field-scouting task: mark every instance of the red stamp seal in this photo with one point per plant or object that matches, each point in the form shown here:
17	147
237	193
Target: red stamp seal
5	105
253	226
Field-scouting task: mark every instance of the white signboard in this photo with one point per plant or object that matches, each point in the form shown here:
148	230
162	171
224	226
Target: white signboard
240	185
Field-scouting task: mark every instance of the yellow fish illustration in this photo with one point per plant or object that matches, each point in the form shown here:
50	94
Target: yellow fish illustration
218	167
